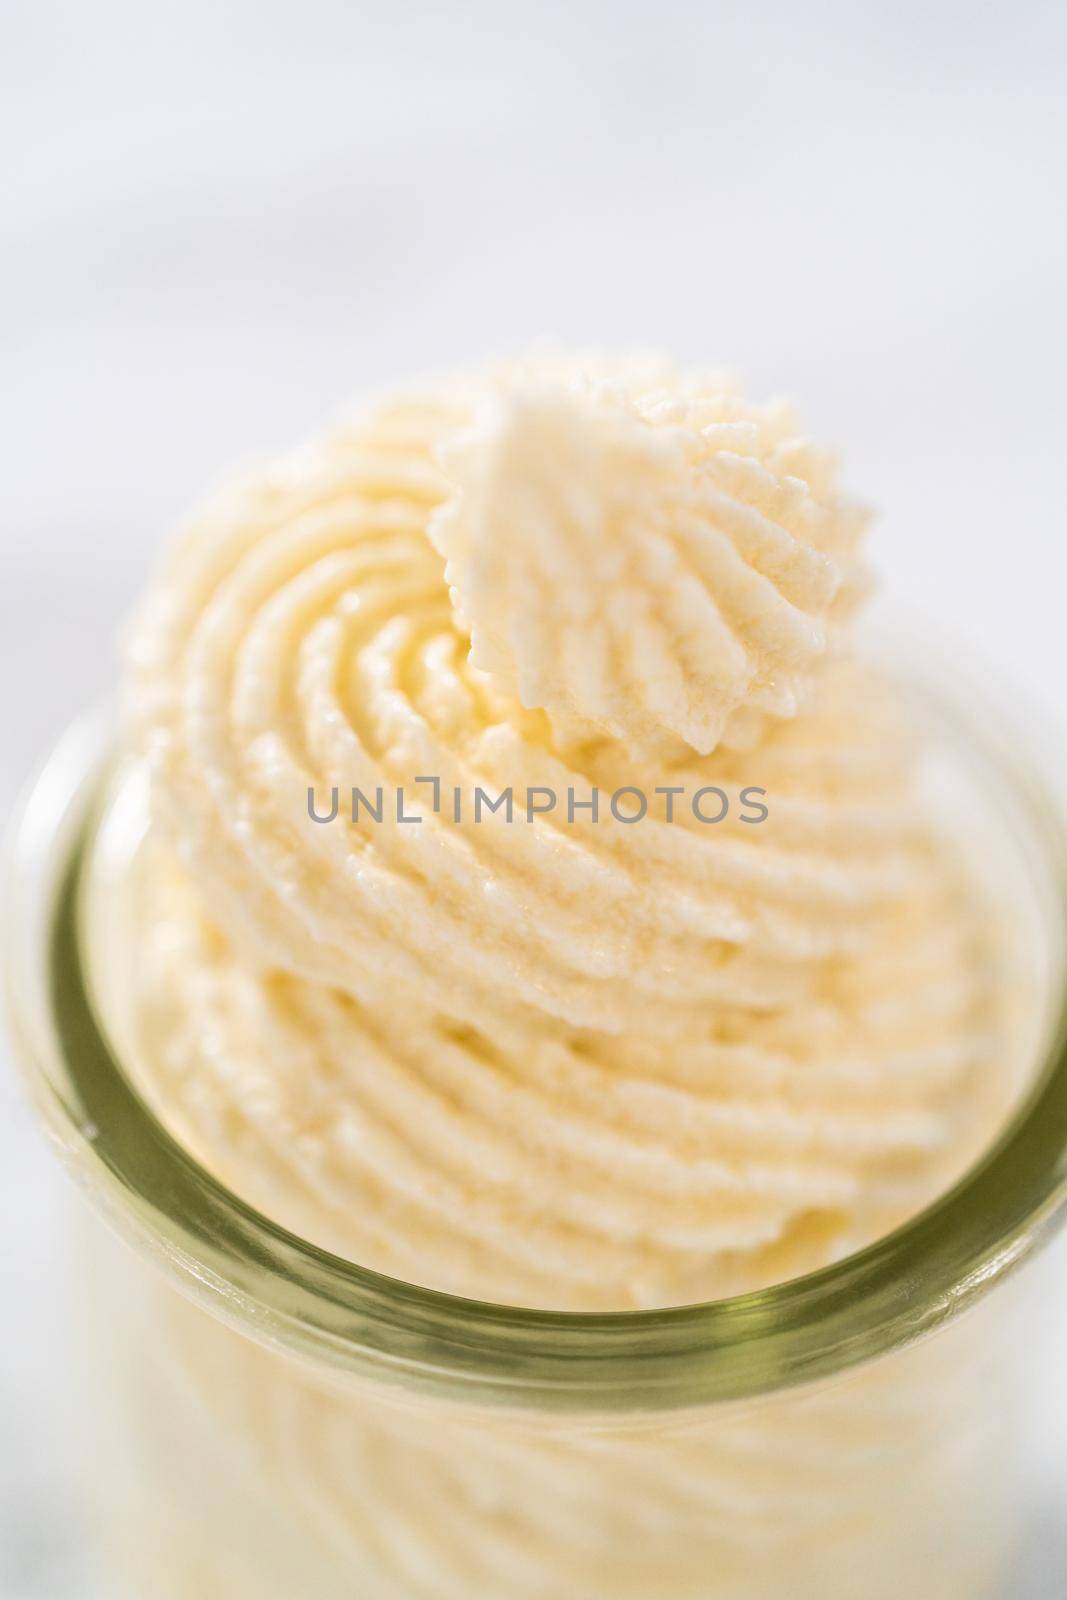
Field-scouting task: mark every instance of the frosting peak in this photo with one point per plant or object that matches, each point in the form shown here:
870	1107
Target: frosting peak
659	567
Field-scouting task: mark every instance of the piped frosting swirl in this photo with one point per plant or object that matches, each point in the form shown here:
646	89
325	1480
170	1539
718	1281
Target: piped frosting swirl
648	566
566	1063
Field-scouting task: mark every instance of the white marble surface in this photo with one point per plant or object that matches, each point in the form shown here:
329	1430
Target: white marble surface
222	218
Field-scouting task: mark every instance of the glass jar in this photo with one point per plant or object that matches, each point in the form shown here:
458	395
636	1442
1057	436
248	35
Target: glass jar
274	1421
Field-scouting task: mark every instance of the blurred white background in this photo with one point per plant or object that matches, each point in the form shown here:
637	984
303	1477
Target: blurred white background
223	218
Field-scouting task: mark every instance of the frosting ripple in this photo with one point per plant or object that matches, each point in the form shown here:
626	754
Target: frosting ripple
564	1062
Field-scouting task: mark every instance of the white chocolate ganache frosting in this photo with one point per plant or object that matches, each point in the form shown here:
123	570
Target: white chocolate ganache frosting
563	1059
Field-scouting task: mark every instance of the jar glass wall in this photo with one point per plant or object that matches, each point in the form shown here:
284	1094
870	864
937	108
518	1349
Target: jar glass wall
228	1469
274	1420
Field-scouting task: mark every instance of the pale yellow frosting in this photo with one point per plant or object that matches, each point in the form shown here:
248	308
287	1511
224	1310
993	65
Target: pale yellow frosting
644	564
562	1063
236	1474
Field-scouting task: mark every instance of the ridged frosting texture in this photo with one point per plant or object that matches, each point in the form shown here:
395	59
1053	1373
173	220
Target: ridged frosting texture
231	1460
646	565
564	1063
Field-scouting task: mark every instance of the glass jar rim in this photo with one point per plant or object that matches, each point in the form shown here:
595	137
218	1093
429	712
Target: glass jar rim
289	1293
